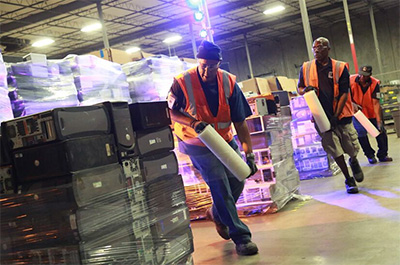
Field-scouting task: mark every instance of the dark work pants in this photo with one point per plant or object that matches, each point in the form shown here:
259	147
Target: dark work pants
382	140
225	191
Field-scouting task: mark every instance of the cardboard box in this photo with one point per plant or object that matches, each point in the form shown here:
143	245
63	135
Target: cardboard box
36	58
121	57
277	83
258	86
272	83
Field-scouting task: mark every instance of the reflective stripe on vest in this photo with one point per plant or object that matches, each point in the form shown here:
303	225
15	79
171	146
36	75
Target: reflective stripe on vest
192	104
310	77
364	99
197	105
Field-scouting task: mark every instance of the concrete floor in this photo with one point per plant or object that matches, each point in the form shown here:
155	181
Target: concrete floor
334	228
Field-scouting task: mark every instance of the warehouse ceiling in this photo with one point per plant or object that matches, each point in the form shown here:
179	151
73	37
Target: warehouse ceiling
147	23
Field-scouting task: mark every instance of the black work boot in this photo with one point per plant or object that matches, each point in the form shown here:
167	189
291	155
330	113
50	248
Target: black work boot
357	171
246	249
223	230
351	186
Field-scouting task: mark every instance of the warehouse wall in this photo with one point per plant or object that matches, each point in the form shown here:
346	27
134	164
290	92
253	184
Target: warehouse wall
284	56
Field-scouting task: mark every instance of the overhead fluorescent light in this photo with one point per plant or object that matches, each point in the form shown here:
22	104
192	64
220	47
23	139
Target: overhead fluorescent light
132	49
273	10
172	39
91	27
42	42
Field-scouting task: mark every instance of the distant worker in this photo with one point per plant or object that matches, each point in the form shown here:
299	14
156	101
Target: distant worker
329	78
208	95
364	90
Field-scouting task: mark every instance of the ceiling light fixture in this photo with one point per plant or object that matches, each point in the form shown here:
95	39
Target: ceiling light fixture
132	49
91	27
198	15
273	10
193	3
42	42
203	33
172	39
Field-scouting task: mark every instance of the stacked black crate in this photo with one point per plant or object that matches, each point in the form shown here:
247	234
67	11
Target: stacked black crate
125	138
73	203
164	190
6	185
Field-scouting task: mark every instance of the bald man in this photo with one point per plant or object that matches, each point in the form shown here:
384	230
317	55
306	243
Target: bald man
329	78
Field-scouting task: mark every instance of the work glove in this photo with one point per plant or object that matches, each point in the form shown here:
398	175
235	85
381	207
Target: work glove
356	107
310	88
251	163
334	122
198	126
380	126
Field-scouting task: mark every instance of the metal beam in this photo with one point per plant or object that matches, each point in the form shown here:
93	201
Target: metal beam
161	27
306	28
38	17
269	24
378	52
350	32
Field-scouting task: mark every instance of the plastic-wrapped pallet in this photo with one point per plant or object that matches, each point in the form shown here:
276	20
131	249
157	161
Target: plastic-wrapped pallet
131	209
151	78
98	80
5	104
287	179
310	158
40	87
188	65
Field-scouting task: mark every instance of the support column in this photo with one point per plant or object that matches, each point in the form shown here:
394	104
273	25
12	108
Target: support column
348	23
306	28
378	52
103	26
248	55
193	40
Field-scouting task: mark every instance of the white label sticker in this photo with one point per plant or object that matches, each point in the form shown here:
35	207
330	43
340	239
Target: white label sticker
165	166
152	141
171	100
97	184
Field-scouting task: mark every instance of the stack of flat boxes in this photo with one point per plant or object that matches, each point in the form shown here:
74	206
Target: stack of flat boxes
163	186
310	158
5	104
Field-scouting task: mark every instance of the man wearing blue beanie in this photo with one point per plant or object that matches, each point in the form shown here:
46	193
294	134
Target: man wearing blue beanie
208	95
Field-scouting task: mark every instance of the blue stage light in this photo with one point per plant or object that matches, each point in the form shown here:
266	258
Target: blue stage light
198	16
193	3
203	33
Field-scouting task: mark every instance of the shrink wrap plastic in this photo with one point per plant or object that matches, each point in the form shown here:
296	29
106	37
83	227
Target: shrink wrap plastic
151	78
39	88
317	111
6	112
98	80
371	129
222	150
103	215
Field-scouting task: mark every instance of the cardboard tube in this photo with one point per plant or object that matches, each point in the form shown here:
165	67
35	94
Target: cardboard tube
317	111
224	152
365	122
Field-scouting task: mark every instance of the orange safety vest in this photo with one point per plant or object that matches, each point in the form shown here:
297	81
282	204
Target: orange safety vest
364	100
197	106
310	76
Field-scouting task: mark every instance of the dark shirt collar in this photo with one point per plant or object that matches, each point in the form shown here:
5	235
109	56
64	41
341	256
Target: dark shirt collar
367	84
320	65
203	85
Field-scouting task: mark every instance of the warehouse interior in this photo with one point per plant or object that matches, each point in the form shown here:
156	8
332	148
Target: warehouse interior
142	200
